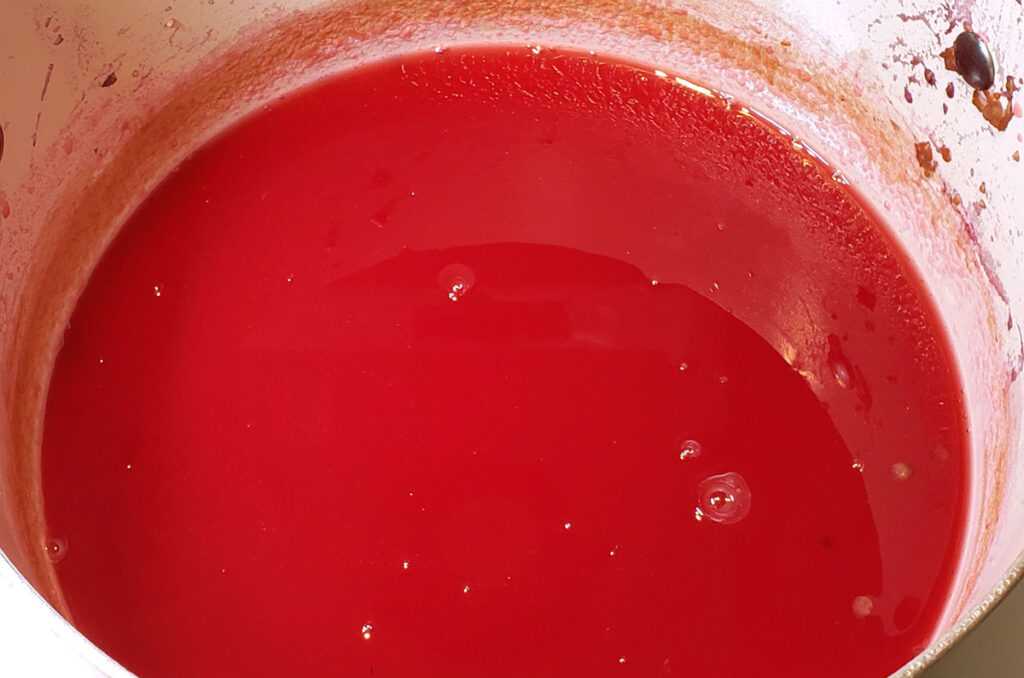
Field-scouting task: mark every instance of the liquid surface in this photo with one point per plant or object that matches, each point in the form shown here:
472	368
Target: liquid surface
506	363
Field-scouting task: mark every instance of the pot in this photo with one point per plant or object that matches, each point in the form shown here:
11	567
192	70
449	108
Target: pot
99	101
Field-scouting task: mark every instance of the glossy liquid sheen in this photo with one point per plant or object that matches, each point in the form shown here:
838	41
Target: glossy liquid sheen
505	363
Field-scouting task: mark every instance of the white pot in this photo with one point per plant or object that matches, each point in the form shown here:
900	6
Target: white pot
78	156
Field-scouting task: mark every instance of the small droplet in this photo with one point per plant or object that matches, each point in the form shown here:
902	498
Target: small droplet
838	363
723	498
654	282
367	630
465	589
689	449
288	279
901	471
684	366
101	361
614	550
568	525
720	226
456	280
841	372
405	565
862	606
157	290
622	660
56	548
128	466
973	60
723	380
858	465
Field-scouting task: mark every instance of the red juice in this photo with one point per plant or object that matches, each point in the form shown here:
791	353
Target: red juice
504	362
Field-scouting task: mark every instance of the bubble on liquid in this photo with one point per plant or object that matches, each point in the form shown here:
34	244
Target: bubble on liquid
724	498
862	606
723	380
858	465
567	526
56	548
689	449
456	280
720	226
901	471
683	366
622	660
367	630
158	290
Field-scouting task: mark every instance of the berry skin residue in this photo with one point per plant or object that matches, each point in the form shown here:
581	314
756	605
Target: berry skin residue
504	362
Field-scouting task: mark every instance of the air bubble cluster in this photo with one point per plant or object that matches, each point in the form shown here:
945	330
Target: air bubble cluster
56	548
